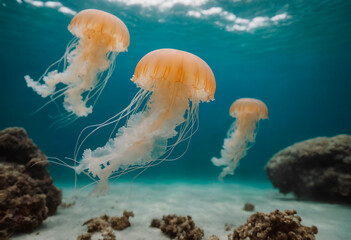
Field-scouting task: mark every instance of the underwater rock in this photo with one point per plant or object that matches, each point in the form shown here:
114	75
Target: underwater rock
27	193
180	228
105	226
274	226
249	207
318	168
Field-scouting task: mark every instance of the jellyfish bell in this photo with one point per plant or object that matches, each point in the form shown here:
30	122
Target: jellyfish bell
87	64
172	83
249	106
100	28
248	112
177	68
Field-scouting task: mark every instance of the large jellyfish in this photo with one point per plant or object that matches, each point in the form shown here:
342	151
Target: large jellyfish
242	132
172	83
87	64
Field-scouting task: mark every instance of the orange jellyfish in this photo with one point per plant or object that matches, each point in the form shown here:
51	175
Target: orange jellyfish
242	132
87	64
172	83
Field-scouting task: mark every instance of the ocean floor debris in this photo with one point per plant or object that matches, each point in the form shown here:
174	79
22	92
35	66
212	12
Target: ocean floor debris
249	207
178	227
276	225
67	204
318	169
105	225
27	193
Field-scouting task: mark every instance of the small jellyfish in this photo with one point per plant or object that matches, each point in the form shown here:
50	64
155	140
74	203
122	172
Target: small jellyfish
87	64
242	132
172	83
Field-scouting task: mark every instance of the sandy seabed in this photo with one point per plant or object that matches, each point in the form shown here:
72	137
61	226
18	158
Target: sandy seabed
211	206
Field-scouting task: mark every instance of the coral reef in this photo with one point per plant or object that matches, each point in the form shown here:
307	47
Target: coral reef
105	225
274	226
27	193
249	207
180	228
318	169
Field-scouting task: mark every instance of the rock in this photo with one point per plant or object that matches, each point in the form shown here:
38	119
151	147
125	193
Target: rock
318	169
249	207
274	226
27	193
180	228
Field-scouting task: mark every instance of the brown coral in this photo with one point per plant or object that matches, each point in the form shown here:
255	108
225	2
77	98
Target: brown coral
274	226
181	228
27	193
105	224
213	237
120	223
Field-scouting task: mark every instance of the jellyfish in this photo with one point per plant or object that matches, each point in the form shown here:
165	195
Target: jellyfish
172	83
241	134
87	64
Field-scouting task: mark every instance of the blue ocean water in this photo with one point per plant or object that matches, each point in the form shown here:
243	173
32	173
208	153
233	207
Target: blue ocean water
293	55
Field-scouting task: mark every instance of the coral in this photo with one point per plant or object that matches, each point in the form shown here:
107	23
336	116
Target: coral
213	237
228	227
249	207
122	222
181	228
155	223
27	193
85	236
319	169
105	226
274	226
98	224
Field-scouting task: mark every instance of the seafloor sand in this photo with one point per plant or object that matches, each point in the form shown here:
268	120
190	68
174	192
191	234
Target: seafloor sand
210	205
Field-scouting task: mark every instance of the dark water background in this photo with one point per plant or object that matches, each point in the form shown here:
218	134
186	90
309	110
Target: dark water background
299	66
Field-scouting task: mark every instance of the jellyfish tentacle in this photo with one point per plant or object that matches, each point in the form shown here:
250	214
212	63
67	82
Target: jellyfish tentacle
113	120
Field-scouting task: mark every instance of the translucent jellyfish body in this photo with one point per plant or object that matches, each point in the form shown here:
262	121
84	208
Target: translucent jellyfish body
172	83
82	73
241	134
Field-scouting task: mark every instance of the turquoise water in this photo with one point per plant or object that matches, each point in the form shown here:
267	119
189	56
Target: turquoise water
295	58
